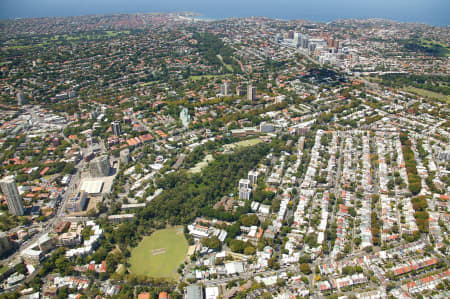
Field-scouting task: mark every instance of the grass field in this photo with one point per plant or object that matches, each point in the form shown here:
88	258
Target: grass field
428	93
202	164
228	66
148	83
195	78
430	44
243	143
109	33
57	39
160	254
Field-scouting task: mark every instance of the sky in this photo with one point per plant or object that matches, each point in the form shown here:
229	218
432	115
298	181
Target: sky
433	12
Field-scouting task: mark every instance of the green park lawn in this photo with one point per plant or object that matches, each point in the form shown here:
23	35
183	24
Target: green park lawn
202	164
200	77
160	254
249	142
243	143
428	93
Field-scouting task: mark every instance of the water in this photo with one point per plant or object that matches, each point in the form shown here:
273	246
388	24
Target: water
433	12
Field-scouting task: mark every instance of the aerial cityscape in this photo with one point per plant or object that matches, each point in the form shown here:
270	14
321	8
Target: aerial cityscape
168	155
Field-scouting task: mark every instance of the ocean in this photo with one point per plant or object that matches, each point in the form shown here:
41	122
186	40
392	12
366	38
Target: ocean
432	12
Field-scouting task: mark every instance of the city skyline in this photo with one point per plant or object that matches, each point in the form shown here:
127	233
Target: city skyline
430	12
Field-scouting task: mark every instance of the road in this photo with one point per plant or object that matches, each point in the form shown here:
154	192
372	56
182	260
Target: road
71	188
59	215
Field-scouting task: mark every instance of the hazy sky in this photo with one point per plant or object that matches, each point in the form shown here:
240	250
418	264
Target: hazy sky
435	12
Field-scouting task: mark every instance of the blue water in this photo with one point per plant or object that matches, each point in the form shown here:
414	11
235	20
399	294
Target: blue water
433	12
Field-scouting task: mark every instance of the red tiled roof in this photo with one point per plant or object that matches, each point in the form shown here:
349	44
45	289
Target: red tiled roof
144	296
103	267
44	171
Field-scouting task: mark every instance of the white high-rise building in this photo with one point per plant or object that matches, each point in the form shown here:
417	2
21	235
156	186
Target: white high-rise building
9	189
253	177
240	90
244	183
185	117
297	39
245	190
245	193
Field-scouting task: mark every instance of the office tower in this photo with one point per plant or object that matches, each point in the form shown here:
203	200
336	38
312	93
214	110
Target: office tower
251	93
225	89
297	39
20	99
336	44
9	189
305	41
100	166
278	38
240	90
78	203
115	127
330	42
290	34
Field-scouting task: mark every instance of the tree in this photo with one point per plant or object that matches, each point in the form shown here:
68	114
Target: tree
391	184
91	213
305	269
267	296
348	270
63	265
69	168
249	250
237	246
21	268
306	258
311	239
352	211
249	220
213	243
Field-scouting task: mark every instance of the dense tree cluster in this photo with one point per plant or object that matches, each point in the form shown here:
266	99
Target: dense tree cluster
425	47
420	213
210	46
213	243
375	221
249	220
414	181
242	247
185	195
434	83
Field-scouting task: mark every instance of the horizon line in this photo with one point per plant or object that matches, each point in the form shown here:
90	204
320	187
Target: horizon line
209	18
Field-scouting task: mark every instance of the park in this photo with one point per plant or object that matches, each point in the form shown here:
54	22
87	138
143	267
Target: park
160	254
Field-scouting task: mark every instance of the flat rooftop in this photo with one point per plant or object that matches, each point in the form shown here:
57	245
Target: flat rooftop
92	186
